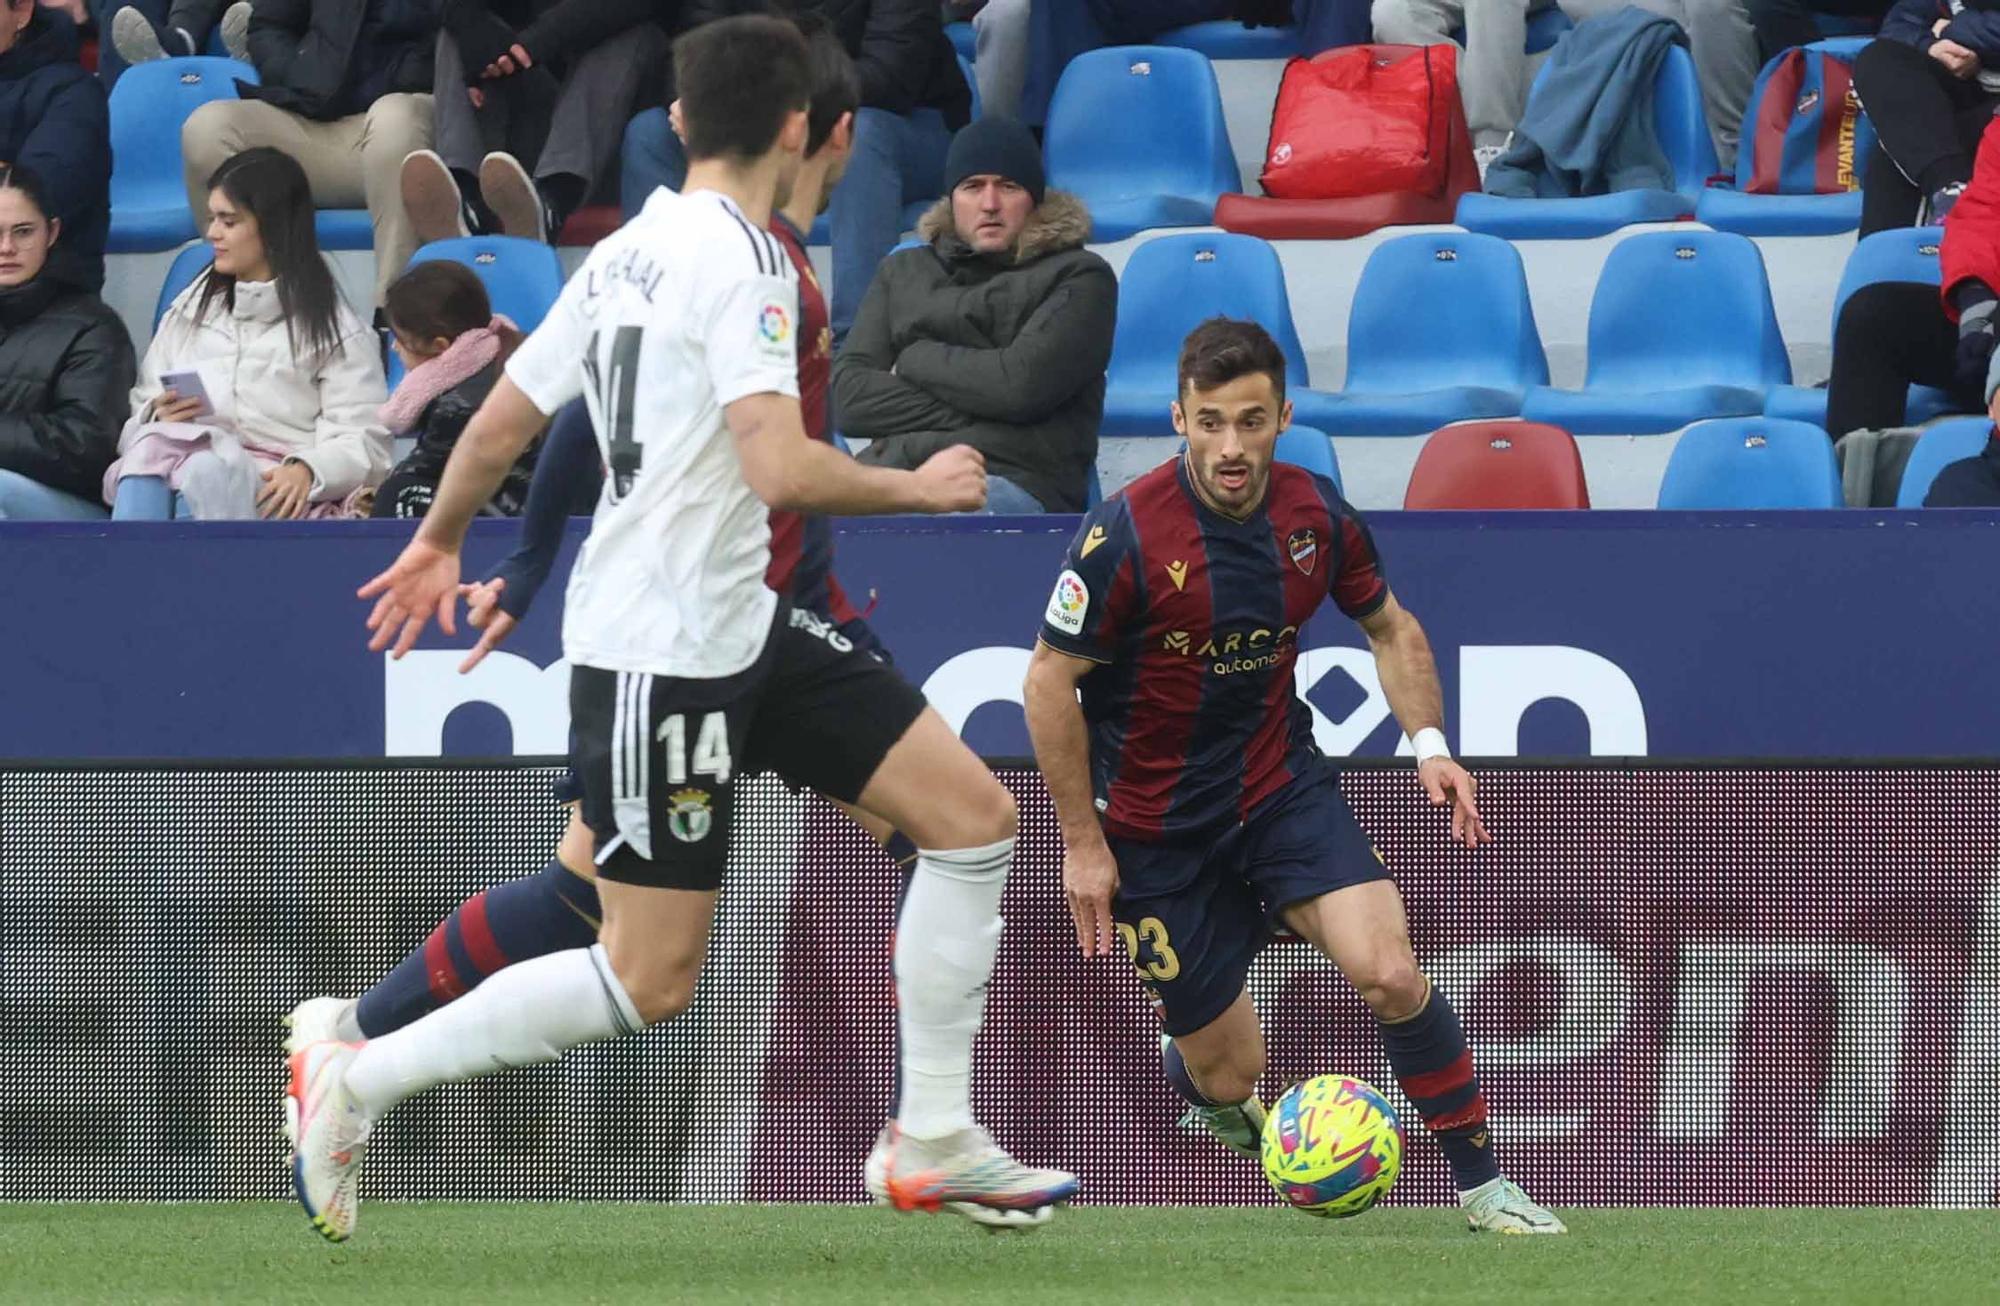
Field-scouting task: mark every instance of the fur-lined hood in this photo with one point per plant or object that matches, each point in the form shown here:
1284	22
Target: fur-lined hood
1059	223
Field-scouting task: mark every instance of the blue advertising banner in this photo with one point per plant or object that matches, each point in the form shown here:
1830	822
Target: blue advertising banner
1851	634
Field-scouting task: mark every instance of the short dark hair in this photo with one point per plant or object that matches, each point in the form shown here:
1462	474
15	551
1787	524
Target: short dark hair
438	297
836	82
738	78
1224	349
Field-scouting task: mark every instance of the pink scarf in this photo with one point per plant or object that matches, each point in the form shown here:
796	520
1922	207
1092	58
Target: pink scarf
465	358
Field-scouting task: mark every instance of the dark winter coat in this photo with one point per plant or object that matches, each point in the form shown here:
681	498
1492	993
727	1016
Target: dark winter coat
326	59
1970	482
53	120
1976	26
905	60
1004	353
413	482
66	369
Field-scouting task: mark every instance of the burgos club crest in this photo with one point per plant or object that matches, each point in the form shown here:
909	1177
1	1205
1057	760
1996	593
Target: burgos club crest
690	818
1304	548
774	324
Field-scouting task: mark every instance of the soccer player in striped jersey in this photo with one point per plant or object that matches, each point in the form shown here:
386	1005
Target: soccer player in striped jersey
1197	816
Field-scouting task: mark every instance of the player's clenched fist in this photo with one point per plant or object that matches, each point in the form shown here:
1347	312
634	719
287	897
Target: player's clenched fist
954	480
1090	877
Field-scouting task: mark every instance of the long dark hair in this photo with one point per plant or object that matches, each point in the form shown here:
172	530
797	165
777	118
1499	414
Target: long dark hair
271	187
440	297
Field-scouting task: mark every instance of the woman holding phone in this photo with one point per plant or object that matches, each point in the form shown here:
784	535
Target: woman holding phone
259	394
65	369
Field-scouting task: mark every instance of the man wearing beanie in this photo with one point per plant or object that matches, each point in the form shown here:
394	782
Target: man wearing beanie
994	333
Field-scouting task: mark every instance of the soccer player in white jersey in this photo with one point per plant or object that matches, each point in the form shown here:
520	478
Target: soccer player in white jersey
688	674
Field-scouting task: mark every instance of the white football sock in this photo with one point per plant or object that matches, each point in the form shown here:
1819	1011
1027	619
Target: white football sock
945	944
520	1016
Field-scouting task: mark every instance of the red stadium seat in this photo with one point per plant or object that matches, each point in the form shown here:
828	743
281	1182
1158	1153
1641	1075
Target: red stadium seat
1498	465
1355	215
590	224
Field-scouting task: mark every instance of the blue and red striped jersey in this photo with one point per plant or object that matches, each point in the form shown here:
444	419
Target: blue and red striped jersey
1195	619
802	543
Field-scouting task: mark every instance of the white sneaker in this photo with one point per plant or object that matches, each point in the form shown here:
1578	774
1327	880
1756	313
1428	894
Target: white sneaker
966	1174
132	35
316	1020
236	30
515	199
329	1133
1239	1128
432	199
1499	1206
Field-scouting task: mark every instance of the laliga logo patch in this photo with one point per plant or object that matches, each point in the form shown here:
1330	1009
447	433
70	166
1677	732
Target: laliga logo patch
690	818
774	324
1068	604
1304	548
1282	155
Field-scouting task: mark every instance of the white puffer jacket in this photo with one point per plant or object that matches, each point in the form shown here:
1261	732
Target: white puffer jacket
319	411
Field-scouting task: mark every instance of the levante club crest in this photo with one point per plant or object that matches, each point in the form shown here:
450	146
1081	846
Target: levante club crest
1304	548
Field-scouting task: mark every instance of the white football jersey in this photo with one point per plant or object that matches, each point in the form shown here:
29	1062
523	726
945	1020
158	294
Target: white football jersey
685	309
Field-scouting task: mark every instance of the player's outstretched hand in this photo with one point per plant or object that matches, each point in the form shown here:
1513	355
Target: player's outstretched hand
1090	877
1449	783
954	480
482	609
422	582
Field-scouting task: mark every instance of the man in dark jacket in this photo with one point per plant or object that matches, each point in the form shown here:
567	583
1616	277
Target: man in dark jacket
995	334
345	91
1930	83
913	95
532	97
53	120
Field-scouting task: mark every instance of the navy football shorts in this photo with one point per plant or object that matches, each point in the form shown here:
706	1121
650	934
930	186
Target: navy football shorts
1194	915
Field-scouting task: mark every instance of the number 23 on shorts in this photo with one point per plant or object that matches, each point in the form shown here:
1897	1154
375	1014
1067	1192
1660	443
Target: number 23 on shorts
1159	960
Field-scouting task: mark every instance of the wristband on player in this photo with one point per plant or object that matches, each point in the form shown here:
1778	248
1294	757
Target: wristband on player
1430	742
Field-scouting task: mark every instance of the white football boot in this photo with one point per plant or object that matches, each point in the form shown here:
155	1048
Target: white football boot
1239	1128
965	1174
316	1020
329	1133
1499	1206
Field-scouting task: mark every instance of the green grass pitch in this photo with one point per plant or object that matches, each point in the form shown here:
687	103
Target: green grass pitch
820	1254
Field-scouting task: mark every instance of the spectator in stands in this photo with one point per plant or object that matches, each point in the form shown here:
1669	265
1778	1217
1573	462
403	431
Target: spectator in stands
53	121
284	422
185	31
912	96
1930	83
1972	482
1724	47
532	97
1782	24
454	346
1000	50
1492	63
345	91
1893	334
996	334
65	369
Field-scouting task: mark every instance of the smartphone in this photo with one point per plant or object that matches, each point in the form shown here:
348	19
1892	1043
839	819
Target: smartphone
188	386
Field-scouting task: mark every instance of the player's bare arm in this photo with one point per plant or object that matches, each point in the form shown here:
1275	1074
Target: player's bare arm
1408	672
1062	748
423	581
792	472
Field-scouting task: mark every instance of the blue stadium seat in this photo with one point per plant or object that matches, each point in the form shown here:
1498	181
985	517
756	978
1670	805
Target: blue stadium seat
344	229
1901	254
963	39
1681	328
1228	39
1683	133
1302	446
1752	462
1440	331
1170	285
1093	492
1947	442
522	278
1735	209
1137	132
149	199
187	265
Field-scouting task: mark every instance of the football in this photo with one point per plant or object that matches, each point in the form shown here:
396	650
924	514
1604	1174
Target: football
1332	1146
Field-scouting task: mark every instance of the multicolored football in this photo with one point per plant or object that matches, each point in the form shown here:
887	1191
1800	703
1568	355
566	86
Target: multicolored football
1332	1146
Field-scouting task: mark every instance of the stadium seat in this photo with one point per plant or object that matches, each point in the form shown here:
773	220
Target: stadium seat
1752	462
1947	442
963	39
590	224
1681	328
1440	330
1498	465
522	278
1303	446
187	265
344	229
1136	132
1172	284
1093	491
149	199
1900	254
1228	39
1736	209
1683	133
1357	215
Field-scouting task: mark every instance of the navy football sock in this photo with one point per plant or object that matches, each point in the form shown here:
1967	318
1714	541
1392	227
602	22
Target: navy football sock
553	910
1434	1066
1183	1082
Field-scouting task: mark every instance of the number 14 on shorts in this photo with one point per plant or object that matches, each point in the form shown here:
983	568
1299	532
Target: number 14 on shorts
711	748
